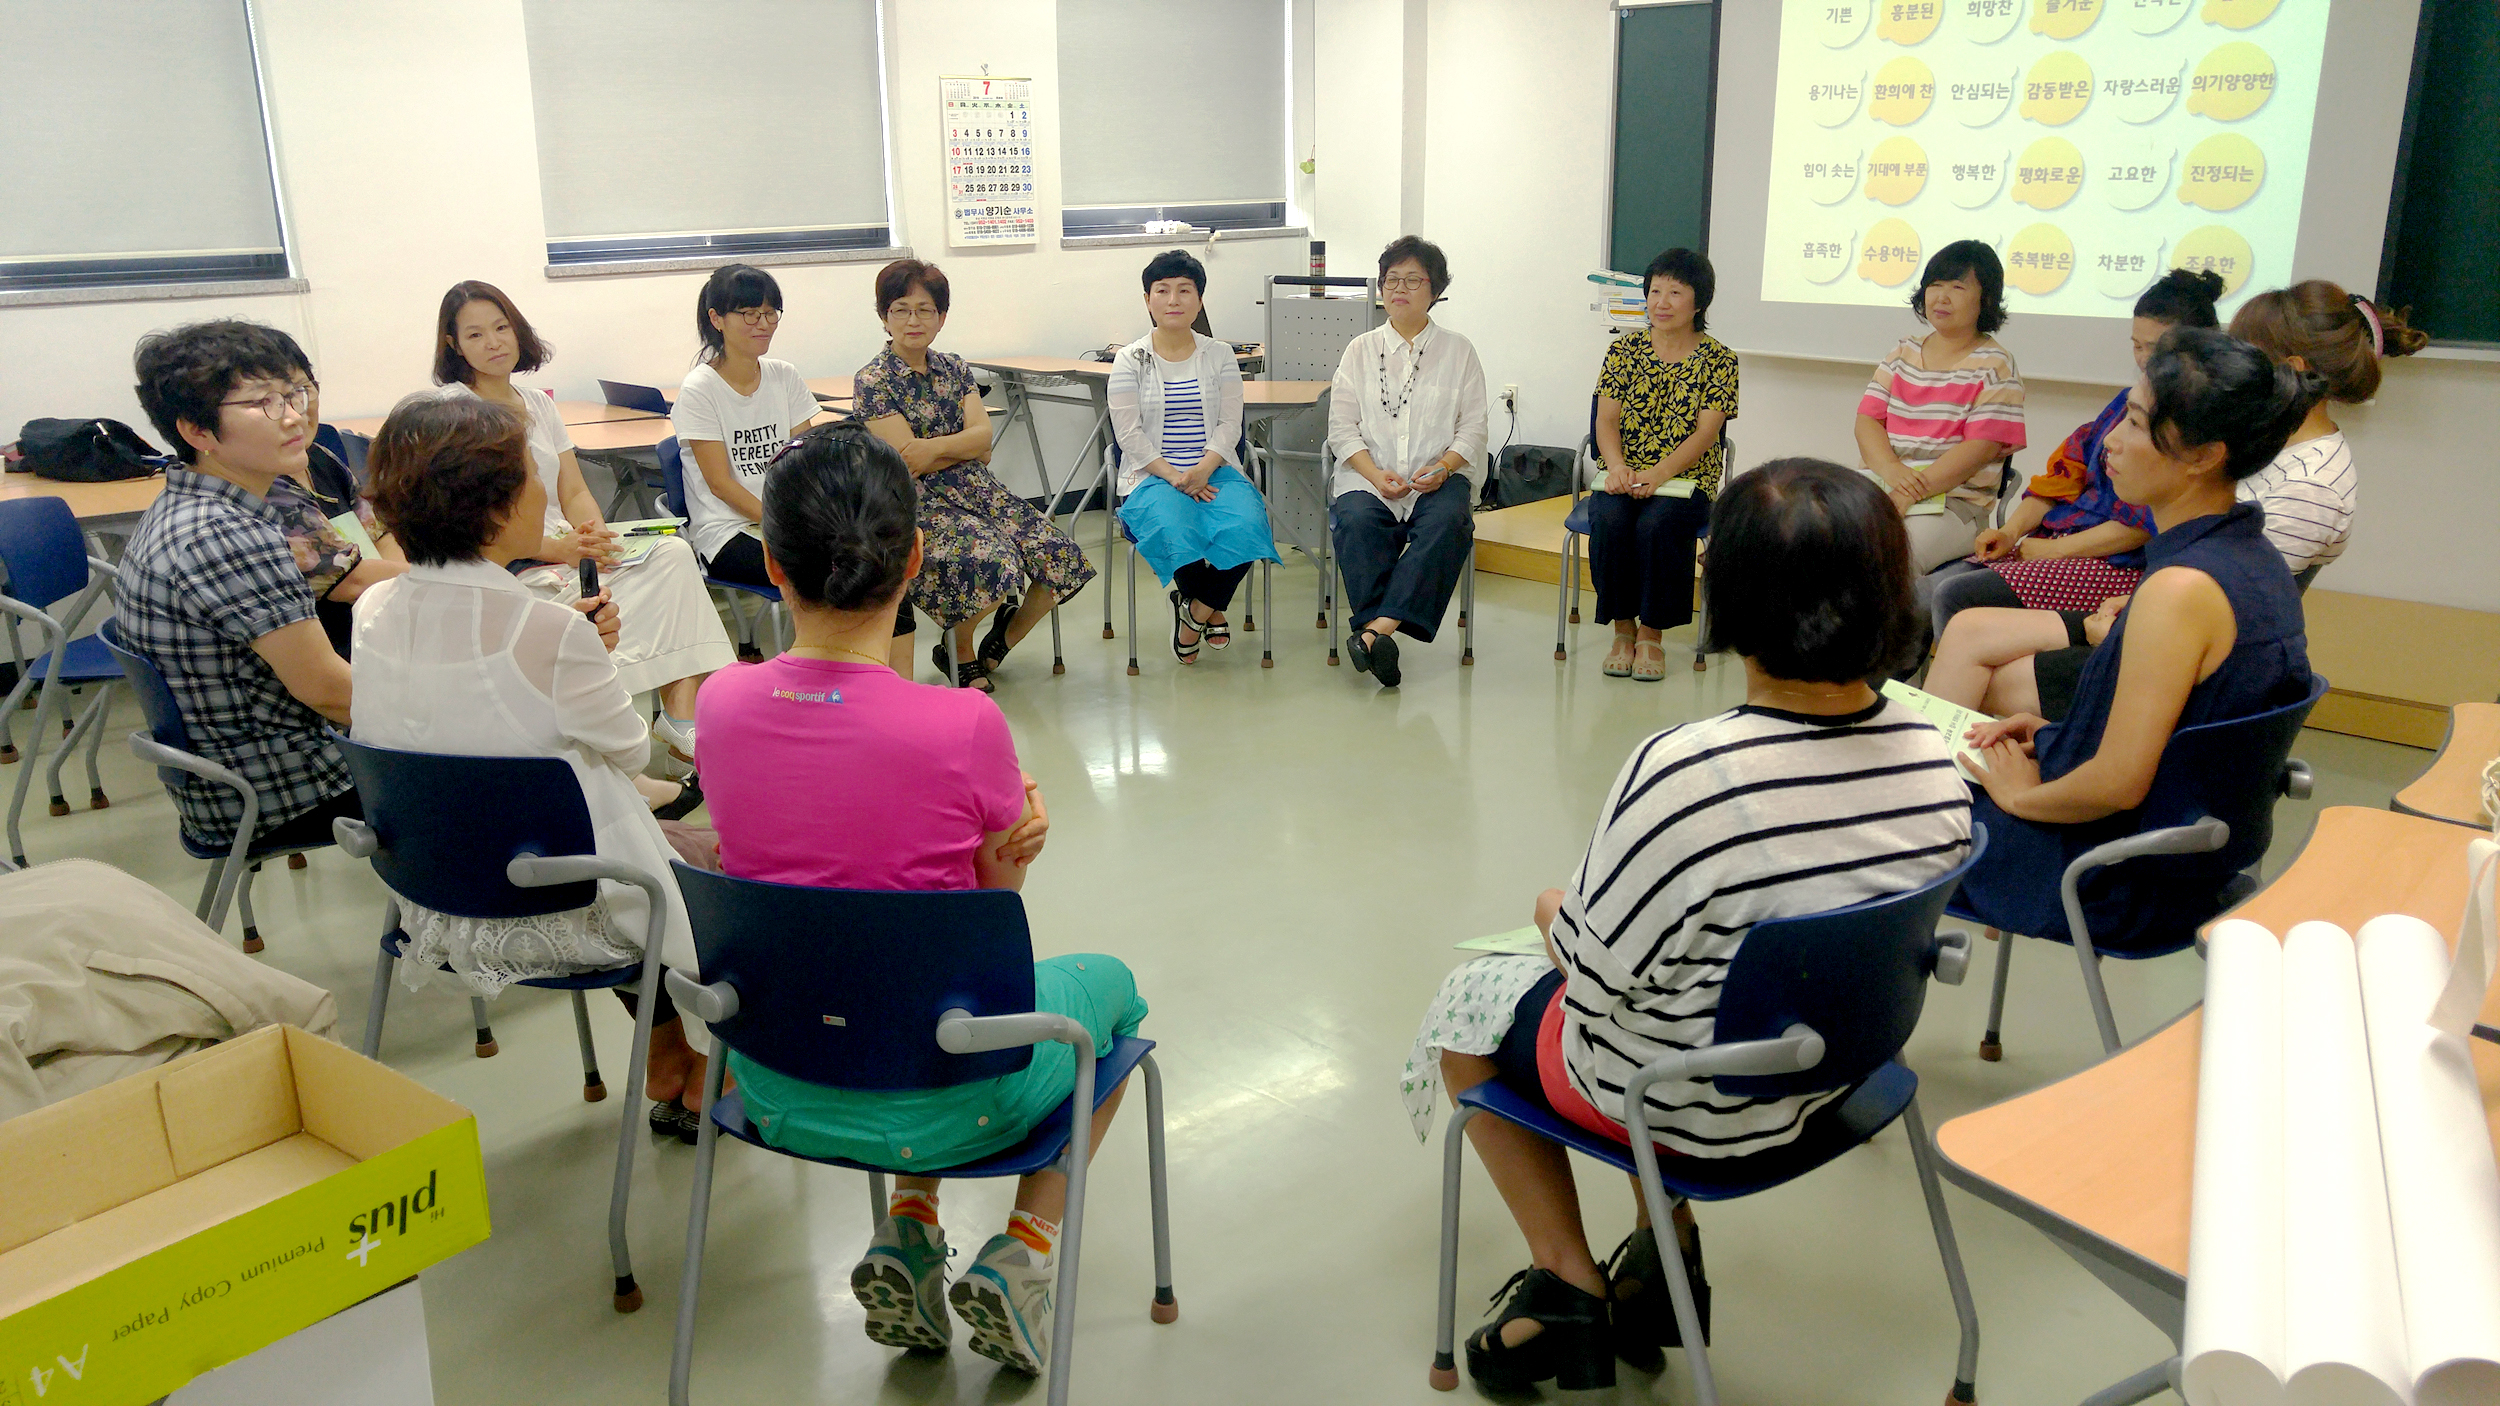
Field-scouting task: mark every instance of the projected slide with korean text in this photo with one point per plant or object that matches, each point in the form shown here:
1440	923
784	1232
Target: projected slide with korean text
2094	143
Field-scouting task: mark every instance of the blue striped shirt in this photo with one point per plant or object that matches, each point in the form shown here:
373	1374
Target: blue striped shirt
1184	423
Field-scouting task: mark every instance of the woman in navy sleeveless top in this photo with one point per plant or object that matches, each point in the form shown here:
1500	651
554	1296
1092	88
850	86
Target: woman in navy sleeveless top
2214	633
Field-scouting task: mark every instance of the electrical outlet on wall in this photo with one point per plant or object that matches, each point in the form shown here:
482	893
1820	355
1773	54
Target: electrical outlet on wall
1510	398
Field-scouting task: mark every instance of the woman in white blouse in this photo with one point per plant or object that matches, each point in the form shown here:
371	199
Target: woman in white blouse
1406	415
672	633
1176	413
459	657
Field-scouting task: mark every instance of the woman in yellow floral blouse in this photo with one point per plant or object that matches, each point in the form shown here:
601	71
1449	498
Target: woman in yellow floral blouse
1664	397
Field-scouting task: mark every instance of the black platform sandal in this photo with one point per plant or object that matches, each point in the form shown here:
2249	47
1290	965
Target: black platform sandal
1574	1347
971	673
994	646
1644	1320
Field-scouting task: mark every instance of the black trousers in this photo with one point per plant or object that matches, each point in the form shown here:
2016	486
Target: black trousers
1403	570
1641	556
741	559
1210	586
313	826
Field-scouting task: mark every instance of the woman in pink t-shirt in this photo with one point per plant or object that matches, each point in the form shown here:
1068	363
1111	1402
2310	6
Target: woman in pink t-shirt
824	767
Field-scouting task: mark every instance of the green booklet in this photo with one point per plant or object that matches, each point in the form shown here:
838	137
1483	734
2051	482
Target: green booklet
1949	718
1518	942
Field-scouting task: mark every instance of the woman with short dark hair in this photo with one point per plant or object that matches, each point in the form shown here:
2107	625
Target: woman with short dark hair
988	550
1817	794
1664	397
1943	413
1176	412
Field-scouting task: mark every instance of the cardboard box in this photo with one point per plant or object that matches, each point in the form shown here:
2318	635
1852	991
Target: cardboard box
174	1221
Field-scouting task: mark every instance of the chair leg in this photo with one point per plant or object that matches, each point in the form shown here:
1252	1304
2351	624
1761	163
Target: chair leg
2097	993
1467	611
243	900
1701	632
1110	546
878	1201
1058	653
46	703
96	799
1072	1228
2143	1386
698	1214
1966	1365
620	1191
1166	1308
378	1005
1562	591
1679	1285
1444	1376
594	1089
209	892
1132	612
90	730
1267	611
1990	1048
1579	572
486	1046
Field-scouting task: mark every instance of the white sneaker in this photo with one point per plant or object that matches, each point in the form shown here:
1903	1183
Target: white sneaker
1005	1299
901	1281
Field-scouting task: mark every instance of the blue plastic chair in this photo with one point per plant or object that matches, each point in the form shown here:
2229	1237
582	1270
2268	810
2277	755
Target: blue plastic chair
1811	1004
1256	467
166	745
44	556
1576	529
857	989
673	502
350	447
503	837
2211	814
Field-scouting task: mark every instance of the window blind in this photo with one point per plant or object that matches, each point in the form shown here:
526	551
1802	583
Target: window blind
726	124
1173	102
137	151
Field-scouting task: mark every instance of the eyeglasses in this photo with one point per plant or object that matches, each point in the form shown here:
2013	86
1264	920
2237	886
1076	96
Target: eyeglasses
759	317
296	398
899	313
1405	282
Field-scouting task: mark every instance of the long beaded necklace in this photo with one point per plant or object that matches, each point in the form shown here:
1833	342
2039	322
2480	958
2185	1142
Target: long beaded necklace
1413	370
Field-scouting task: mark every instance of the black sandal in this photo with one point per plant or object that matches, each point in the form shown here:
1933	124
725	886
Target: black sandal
994	646
971	673
1379	658
1573	1347
689	797
1183	618
674	1119
1644	1320
1218	634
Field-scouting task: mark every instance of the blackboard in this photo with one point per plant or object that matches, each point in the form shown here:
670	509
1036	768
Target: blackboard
1666	93
2442	255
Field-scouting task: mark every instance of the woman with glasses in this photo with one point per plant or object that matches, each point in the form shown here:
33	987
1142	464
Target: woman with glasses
1405	416
987	549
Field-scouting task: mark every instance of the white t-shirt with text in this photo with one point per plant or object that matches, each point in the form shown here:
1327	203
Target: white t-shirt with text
751	428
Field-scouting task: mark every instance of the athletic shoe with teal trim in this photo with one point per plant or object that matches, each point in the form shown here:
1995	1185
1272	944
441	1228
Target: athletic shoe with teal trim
1005	1299
901	1281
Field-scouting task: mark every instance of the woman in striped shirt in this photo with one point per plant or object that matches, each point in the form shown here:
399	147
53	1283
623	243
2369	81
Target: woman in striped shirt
1176	416
1944	412
1818	793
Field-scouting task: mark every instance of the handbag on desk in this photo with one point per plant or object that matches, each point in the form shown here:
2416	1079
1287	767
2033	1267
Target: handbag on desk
86	451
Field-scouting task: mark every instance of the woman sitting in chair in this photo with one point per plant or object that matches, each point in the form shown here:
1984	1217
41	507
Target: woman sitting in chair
1816	794
458	656
1176	412
2213	633
1664	398
827	769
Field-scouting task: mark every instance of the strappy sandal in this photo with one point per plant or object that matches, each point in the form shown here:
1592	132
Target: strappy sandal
1573	1347
994	646
1217	633
1644	1319
1649	662
1618	663
971	673
1183	618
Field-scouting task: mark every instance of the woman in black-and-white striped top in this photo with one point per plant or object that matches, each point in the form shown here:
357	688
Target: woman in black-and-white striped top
1816	794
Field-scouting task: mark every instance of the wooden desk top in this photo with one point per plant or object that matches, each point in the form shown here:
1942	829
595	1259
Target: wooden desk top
621	434
1043	365
830	387
124	498
2111	1150
593	412
2452	789
1283	395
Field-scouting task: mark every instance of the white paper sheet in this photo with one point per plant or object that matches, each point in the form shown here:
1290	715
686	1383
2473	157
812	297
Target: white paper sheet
2478	945
1949	718
2443	1188
2343	1318
2233	1347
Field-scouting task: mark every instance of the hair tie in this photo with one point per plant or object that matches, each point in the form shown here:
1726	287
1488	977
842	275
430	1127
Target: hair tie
2369	314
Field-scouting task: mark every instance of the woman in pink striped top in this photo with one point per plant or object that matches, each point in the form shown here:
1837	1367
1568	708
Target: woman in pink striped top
1943	414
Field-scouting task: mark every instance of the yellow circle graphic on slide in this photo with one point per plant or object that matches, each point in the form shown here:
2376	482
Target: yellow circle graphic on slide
2040	259
2063	19
2048	173
2220	248
1908	21
2057	89
1889	254
1903	90
2152	17
2222	173
2237	14
1985	21
2233	81
1896	171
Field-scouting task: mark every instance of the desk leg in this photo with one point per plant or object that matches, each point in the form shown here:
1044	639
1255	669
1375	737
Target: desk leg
2143	1386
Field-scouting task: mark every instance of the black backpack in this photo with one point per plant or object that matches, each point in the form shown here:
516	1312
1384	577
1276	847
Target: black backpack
86	451
1528	473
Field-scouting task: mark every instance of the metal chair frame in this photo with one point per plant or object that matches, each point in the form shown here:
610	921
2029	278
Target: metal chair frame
1254	466
1567	585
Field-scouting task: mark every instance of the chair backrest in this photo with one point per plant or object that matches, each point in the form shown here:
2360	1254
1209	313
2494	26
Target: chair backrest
844	987
1856	975
42	550
2231	770
445	827
156	699
672	477
634	397
2302	578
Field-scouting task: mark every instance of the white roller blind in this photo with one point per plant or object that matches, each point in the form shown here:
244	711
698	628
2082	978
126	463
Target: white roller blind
1172	102
672	117
131	127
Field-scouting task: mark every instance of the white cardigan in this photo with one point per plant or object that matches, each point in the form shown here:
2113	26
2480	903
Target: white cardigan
1137	404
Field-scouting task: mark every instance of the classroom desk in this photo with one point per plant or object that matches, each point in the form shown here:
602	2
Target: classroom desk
1031	380
2102	1161
575	412
2452	789
618	436
830	388
106	509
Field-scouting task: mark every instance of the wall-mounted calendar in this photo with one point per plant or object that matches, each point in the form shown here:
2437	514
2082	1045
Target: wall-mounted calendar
989	160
